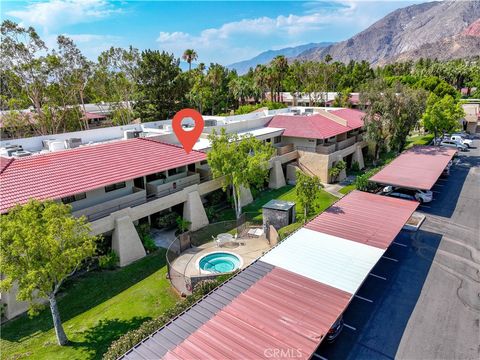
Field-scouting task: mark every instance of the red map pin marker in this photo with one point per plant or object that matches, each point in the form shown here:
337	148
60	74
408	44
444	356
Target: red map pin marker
188	138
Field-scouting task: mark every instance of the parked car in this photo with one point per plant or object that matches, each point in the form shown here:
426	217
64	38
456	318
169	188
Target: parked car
422	196
335	330
461	139
465	135
455	144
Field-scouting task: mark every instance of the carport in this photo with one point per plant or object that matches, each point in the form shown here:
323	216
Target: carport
284	304
416	168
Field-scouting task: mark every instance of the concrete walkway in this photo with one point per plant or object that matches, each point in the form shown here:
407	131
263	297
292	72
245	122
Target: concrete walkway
333	189
163	238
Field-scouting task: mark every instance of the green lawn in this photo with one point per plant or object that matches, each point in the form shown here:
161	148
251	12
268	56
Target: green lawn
254	210
96	309
346	189
418	140
100	306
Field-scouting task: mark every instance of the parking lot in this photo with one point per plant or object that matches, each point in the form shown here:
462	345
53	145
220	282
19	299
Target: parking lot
422	299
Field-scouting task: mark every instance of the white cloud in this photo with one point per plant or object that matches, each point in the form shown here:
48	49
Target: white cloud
320	21
225	42
54	14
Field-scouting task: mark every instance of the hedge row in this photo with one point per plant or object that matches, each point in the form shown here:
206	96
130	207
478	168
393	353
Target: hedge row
133	337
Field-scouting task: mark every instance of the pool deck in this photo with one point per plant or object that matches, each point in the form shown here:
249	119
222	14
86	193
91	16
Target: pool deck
249	249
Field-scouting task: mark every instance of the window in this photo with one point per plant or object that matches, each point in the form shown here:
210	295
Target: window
72	198
178	170
277	139
116	186
191	167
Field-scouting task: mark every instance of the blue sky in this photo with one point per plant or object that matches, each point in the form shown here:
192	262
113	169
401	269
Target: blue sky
220	31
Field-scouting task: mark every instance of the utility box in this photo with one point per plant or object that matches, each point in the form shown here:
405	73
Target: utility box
278	213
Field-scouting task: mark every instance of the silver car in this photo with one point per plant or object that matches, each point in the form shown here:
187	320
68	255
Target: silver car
454	144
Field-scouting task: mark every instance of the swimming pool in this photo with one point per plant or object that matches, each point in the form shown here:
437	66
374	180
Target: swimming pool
219	262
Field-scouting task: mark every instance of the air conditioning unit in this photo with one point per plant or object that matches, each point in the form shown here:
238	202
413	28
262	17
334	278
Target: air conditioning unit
46	144
131	134
21	153
10	149
56	146
73	143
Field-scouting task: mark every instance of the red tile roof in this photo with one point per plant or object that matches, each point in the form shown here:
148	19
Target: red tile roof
91	116
417	168
4	163
353	117
68	172
366	218
282	311
313	126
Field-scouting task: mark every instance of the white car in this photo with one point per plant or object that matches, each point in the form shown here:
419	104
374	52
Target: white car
422	196
455	144
462	140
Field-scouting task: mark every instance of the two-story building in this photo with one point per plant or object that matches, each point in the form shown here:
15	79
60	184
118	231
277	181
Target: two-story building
322	138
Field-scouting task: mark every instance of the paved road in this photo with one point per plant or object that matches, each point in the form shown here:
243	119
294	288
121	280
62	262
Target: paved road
429	306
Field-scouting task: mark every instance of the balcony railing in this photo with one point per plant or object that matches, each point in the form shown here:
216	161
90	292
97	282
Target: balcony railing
157	190
326	149
345	143
98	211
284	149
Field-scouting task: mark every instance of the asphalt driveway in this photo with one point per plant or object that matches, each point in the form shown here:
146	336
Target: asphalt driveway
423	300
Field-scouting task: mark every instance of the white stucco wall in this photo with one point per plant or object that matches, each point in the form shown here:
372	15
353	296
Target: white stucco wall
99	196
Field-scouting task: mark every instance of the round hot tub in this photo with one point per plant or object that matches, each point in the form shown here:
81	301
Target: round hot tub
219	262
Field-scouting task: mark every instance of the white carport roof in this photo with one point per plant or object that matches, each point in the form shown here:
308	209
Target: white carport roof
340	263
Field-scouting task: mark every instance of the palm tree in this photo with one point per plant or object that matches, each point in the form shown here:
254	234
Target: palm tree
189	55
279	66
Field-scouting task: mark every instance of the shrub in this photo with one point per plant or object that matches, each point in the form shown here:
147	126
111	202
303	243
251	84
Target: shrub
337	169
143	230
211	213
168	220
355	166
182	224
146	237
148	243
216	197
363	183
109	260
133	337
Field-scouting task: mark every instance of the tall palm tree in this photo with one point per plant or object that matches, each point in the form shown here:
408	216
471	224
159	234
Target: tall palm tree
189	55
279	66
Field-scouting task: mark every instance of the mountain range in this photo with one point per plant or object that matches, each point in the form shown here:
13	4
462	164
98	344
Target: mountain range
432	29
441	30
265	57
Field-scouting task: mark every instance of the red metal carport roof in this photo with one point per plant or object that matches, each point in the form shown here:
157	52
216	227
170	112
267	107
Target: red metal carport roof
416	168
68	172
366	218
282	312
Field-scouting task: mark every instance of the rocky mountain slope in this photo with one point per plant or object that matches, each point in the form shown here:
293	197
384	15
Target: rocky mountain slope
434	29
266	56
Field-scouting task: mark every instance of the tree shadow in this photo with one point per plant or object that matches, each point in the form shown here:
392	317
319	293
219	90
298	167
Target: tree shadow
82	294
334	209
98	338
